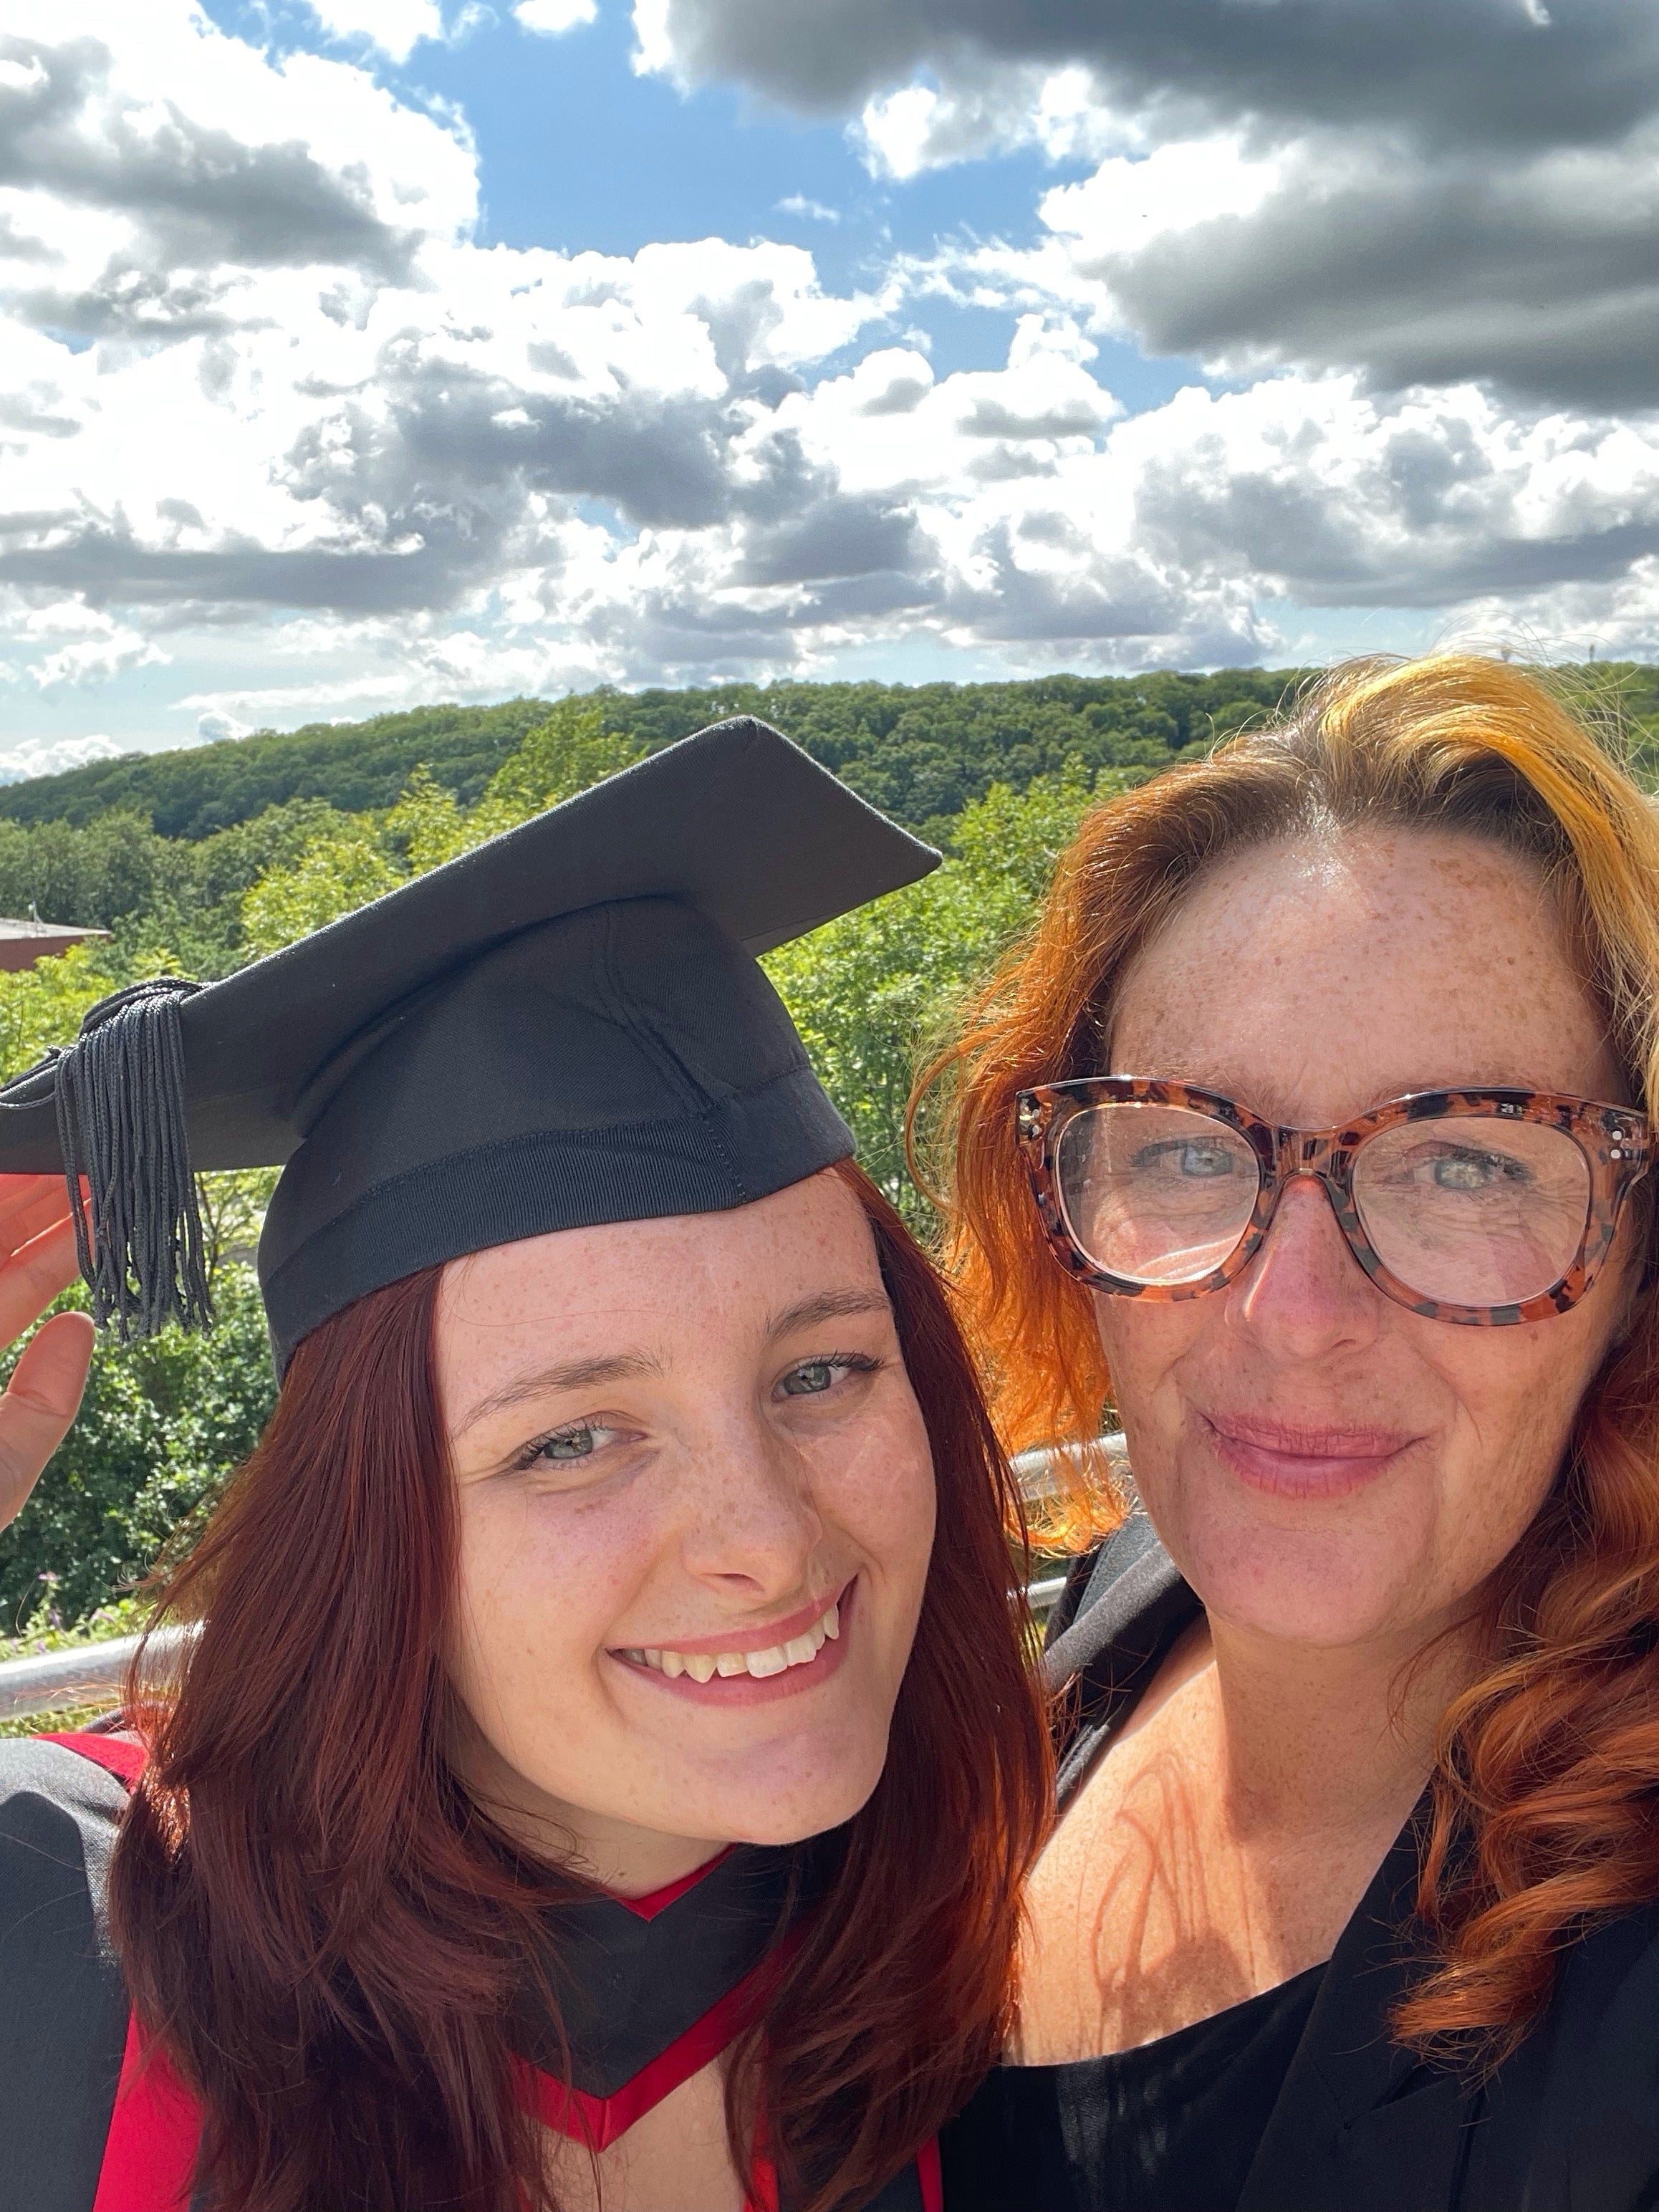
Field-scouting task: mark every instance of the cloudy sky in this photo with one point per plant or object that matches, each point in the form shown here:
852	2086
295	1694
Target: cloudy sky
365	352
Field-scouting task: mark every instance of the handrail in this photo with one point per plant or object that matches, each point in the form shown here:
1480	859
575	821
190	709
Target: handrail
53	1680
80	1676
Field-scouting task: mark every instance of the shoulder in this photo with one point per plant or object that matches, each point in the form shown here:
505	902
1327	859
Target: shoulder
58	1817
62	2005
1605	2023
1123	1605
1573	2119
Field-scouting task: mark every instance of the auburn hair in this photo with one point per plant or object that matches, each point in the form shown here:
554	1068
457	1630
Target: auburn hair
322	1930
1546	1791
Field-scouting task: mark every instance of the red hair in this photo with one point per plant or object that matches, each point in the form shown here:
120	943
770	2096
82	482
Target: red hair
1545	1807
323	1930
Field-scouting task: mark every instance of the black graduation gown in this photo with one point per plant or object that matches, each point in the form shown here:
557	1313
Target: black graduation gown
655	1988
1569	2124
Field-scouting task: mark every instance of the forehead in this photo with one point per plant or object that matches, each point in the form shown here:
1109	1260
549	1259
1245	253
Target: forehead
1318	976
698	1277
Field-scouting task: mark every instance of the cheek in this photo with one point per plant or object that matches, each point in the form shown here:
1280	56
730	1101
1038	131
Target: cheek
539	1582
881	1498
1143	1343
1517	1392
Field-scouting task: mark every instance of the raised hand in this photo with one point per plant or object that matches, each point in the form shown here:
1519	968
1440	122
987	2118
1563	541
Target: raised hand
37	1261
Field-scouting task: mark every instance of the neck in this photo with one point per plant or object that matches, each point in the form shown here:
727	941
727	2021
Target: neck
1318	1740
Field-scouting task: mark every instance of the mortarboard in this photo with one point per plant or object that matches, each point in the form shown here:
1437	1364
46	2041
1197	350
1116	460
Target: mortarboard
563	1027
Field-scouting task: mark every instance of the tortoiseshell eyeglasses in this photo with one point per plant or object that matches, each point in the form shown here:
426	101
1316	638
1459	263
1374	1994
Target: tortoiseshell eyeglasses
1480	1207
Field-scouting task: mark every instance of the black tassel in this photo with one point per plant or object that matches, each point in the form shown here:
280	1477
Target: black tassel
121	1126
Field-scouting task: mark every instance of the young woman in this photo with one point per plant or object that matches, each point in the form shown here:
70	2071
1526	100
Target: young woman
604	1769
1327	1080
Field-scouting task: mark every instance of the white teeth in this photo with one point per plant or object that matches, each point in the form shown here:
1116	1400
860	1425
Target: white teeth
702	1667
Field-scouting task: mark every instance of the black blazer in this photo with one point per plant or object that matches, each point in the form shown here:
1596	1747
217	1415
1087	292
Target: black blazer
1570	2123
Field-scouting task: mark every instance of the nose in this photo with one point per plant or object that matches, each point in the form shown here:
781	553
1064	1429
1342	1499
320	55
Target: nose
752	1523
1305	1296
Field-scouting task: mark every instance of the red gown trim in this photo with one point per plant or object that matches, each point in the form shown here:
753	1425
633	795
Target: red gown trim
156	2130
599	2121
648	1908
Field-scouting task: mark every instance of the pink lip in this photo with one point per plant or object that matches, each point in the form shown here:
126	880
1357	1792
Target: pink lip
750	1689
1287	1462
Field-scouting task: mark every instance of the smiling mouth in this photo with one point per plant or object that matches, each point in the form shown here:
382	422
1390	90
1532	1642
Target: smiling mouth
1303	1464
772	1659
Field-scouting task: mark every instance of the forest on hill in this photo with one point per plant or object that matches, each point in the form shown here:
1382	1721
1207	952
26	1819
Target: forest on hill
921	752
198	862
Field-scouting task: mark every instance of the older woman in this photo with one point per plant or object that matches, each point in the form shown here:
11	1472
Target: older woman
1327	1080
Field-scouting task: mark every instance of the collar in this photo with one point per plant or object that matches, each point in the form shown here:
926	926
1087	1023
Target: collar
649	1990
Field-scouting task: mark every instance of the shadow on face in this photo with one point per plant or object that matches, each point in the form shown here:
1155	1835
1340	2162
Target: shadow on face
695	1512
1325	1465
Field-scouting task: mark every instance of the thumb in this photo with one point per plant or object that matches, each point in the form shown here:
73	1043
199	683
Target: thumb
39	1404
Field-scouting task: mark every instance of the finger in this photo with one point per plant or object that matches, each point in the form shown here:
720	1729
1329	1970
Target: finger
40	1402
22	1194
33	1276
28	1219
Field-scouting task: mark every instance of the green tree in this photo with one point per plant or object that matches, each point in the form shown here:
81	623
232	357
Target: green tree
335	876
160	1428
870	991
571	750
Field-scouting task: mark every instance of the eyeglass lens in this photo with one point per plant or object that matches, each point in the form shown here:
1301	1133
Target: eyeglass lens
1466	1209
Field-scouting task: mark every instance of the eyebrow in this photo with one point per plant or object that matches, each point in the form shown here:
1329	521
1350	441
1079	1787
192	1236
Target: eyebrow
828	1305
570	1375
1273	1105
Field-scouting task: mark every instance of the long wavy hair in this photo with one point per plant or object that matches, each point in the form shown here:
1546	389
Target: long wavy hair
323	1932
1545	1791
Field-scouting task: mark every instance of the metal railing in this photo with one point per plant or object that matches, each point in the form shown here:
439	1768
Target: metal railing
88	1673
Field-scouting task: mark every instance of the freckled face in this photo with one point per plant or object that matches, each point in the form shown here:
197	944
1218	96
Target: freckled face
686	1439
1324	1466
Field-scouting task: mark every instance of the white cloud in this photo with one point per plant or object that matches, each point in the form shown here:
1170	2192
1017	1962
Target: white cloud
212	727
50	756
309	430
809	210
397	27
553	18
1324	253
1429	191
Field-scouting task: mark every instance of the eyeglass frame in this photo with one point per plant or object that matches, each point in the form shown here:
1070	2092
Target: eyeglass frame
1616	1143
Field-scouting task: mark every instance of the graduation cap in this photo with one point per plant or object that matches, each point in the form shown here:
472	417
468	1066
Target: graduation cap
565	1026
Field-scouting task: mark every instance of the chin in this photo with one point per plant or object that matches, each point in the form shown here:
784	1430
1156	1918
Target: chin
1318	1587
782	1806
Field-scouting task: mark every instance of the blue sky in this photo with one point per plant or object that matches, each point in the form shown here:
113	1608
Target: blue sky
388	350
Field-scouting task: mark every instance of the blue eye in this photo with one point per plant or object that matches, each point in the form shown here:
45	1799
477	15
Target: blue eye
811	1380
815	1378
575	1443
1190	1157
1468	1170
565	1447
